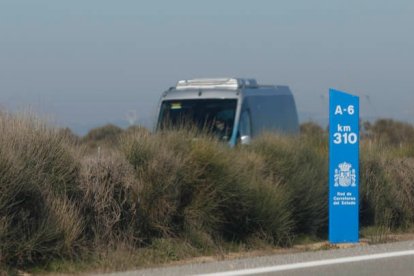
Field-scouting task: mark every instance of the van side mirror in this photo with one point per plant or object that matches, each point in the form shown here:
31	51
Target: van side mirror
245	140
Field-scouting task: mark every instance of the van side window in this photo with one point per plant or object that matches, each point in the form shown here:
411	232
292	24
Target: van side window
245	124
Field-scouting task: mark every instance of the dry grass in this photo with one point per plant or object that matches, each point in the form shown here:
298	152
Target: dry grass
38	191
108	204
146	198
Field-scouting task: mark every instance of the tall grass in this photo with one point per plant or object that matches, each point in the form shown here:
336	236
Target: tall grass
108	203
62	199
38	194
387	187
198	186
303	173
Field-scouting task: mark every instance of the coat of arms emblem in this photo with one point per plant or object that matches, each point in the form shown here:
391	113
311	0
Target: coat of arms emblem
344	175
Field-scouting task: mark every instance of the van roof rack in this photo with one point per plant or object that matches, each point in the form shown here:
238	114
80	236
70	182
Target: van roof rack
219	83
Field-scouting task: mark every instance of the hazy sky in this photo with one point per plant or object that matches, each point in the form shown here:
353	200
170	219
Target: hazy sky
87	63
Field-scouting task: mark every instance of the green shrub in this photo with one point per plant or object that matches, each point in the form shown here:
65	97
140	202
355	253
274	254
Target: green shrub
218	202
375	192
303	172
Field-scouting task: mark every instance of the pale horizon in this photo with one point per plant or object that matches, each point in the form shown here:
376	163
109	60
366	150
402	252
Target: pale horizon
88	63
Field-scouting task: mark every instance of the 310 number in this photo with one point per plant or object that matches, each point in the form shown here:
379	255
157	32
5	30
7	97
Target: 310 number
345	138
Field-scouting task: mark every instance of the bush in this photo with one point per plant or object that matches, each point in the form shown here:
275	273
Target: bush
390	132
270	218
400	172
303	172
38	191
178	190
193	185
108	204
107	135
160	174
387	189
375	191
68	135
311	129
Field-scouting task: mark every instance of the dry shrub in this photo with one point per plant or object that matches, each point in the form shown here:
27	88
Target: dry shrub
387	188
159	189
108	133
70	136
191	184
390	132
38	193
312	132
108	203
106	136
400	173
160	174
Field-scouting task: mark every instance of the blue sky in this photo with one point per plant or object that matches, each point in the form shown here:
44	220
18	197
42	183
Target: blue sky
87	63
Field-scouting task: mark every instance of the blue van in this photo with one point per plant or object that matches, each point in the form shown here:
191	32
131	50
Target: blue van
234	109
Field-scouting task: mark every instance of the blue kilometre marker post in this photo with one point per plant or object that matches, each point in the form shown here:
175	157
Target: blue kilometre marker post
343	167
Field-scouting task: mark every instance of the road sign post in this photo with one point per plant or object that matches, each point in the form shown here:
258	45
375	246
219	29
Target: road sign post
343	167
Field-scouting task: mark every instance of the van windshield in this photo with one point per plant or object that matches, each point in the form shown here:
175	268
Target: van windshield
213	115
